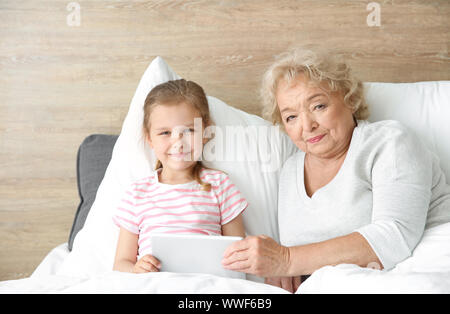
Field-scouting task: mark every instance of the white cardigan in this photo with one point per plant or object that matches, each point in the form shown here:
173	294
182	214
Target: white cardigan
389	188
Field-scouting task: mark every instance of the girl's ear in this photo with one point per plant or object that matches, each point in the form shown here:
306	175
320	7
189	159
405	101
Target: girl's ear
148	139
206	136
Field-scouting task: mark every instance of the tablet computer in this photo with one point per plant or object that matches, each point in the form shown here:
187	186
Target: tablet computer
193	254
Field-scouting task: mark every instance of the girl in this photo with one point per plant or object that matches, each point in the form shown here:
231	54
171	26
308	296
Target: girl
181	196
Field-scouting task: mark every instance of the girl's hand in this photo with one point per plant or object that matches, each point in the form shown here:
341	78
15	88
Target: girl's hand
290	284
147	263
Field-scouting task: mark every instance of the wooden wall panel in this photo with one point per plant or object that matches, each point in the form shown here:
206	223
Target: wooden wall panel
58	83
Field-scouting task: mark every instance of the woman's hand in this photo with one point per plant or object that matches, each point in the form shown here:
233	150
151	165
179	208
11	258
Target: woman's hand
257	255
147	263
290	284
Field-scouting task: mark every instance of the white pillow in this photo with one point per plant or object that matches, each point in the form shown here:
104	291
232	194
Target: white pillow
261	147
424	107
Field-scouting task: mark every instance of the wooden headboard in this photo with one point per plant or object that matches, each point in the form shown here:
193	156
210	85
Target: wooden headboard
69	69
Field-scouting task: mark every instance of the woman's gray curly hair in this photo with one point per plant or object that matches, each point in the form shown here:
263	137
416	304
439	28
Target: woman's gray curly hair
318	66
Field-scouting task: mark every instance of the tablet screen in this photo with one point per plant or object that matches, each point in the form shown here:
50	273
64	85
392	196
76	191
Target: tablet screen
193	254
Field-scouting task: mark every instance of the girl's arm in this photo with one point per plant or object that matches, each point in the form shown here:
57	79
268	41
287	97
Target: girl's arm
126	252
234	227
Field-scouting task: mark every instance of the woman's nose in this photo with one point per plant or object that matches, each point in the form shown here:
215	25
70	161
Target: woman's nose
308	123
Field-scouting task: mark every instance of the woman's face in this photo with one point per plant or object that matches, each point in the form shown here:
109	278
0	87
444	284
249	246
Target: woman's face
175	135
316	120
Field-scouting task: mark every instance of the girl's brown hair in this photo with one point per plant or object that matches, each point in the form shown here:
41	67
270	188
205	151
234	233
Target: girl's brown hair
175	92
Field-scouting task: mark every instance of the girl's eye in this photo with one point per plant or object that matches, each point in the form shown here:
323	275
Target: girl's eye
165	133
188	131
289	118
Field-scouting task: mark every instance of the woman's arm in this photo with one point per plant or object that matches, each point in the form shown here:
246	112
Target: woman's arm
348	249
401	177
262	256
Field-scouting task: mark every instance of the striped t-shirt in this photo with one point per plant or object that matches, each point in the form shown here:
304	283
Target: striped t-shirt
149	206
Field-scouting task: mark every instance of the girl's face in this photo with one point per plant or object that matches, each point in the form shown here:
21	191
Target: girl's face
176	135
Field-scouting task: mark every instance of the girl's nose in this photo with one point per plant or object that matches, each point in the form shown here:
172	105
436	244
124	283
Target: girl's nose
177	143
176	134
176	137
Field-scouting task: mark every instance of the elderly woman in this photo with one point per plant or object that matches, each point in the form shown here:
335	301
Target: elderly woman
356	192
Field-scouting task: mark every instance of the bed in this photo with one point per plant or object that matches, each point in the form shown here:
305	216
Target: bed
253	161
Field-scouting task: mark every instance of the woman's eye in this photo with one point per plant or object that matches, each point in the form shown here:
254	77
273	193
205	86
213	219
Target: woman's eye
320	107
165	133
289	118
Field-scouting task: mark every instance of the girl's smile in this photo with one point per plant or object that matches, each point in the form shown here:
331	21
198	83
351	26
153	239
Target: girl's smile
181	156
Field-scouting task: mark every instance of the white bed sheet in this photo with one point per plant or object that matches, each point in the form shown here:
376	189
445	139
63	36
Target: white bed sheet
47	279
50	264
346	279
426	271
117	282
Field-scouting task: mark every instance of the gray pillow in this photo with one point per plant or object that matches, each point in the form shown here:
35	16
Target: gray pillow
93	158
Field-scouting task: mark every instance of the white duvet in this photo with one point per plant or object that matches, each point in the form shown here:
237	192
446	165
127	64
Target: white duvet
339	279
116	282
426	271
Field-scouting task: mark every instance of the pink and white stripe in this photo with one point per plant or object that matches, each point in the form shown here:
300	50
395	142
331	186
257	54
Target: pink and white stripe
150	207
